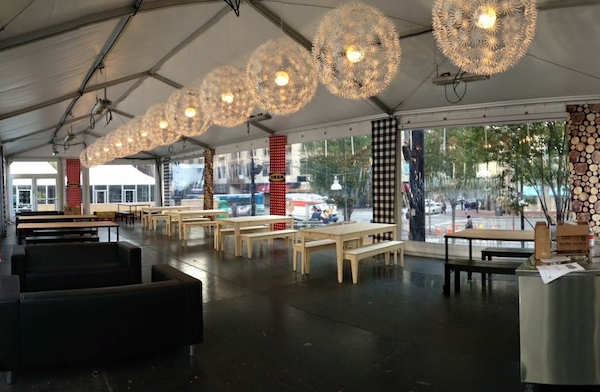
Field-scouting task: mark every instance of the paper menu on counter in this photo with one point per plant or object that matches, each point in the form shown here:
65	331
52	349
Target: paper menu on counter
555	271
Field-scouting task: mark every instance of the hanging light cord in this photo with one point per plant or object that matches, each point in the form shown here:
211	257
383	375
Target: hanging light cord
2	28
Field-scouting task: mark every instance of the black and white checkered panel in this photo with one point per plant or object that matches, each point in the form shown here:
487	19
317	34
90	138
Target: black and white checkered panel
383	141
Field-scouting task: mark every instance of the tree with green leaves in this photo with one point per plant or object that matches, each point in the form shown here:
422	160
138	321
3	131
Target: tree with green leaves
536	155
350	160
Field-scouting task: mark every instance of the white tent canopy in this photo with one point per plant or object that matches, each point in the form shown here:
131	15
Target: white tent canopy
119	175
32	167
57	57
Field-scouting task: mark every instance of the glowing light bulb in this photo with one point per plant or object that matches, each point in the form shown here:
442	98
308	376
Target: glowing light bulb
189	112
282	78
485	17
163	124
143	133
227	97
119	144
354	54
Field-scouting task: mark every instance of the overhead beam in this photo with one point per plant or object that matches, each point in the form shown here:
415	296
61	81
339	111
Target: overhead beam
69	121
194	141
202	29
74	94
122	113
167	81
262	127
110	43
88	20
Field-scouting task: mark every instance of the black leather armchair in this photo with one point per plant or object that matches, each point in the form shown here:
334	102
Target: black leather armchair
45	267
98	324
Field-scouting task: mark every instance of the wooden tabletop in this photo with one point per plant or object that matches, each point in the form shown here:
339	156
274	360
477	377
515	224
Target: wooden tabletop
257	218
493	234
352	228
65	225
51	218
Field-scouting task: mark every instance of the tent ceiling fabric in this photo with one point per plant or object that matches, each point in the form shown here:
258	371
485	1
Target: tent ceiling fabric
49	51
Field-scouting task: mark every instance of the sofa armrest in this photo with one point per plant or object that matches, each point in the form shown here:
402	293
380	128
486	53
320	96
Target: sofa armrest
18	261
10	323
131	255
193	303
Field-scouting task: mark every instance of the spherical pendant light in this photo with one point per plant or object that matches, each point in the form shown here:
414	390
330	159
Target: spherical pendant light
161	132
139	135
282	76
226	96
484	36
118	141
357	51
184	115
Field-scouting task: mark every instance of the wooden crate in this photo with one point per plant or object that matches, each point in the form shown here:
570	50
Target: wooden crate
72	210
572	239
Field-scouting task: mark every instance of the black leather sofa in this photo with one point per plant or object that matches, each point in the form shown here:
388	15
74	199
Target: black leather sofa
46	267
98	324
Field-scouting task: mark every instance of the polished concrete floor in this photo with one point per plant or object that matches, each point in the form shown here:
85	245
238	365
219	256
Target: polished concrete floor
268	328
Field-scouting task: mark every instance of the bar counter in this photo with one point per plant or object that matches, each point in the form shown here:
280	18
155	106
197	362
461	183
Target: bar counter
560	326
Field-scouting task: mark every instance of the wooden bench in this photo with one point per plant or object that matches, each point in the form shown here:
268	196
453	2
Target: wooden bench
196	222
226	231
489	252
384	247
158	217
49	239
507	267
306	249
287	234
170	222
128	217
23	234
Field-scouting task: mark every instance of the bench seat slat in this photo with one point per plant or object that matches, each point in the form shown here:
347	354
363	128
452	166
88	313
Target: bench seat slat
225	231
287	234
507	267
60	239
187	224
384	247
309	246
487	253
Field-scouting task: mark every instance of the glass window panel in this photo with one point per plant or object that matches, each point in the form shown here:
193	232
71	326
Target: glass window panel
114	194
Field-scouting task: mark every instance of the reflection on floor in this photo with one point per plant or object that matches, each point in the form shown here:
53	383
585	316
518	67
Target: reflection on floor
268	328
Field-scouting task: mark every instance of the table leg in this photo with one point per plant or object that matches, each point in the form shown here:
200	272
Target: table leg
108	228
339	249
446	288
216	238
470	274
117	233
238	241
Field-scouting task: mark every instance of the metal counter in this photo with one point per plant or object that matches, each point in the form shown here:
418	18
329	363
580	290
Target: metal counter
560	326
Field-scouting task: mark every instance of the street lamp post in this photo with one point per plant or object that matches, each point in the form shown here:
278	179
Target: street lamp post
336	186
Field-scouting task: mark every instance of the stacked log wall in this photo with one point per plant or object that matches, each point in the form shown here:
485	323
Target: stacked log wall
583	122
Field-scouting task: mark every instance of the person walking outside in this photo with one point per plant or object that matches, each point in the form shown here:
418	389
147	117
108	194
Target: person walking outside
469	224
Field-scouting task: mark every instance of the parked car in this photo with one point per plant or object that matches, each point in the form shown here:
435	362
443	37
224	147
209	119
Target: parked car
432	207
471	205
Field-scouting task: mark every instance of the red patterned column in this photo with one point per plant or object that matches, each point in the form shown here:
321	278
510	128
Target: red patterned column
277	186
73	187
